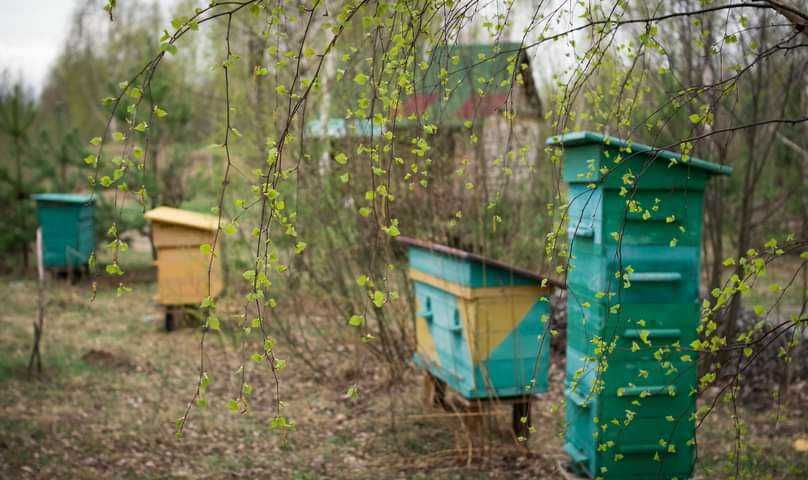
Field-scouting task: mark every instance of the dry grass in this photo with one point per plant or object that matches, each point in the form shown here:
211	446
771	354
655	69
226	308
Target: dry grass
116	383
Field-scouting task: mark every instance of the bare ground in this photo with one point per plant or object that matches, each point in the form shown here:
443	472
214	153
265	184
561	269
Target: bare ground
115	384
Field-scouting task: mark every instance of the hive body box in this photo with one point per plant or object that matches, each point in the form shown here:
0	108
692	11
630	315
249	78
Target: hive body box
182	269
479	323
628	409
68	228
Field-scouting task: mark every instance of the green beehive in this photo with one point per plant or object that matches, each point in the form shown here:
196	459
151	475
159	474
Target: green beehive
634	225
68	228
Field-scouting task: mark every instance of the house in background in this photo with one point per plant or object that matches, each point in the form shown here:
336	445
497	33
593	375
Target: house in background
484	102
474	82
485	106
478	108
481	90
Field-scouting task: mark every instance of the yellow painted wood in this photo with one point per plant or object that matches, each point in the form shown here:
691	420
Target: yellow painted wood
497	317
176	216
182	269
488	314
424	340
488	320
171	235
182	276
468	315
475	293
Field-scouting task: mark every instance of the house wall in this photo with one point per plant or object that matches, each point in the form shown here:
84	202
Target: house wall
489	160
454	162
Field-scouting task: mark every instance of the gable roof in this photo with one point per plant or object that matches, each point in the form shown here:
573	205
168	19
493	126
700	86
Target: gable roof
185	218
467	81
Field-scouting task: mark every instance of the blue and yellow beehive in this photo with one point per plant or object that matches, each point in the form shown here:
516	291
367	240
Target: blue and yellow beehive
67	221
480	324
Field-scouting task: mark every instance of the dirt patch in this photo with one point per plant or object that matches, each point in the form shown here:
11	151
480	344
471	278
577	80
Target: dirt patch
104	359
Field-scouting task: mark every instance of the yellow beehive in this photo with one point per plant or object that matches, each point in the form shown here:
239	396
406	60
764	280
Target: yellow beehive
183	276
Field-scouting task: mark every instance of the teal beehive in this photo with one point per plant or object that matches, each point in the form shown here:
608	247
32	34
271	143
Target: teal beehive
634	226
68	228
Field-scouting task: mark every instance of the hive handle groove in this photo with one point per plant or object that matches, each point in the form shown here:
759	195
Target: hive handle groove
638	217
640	448
652	390
427	313
654	277
583	231
653	333
457	326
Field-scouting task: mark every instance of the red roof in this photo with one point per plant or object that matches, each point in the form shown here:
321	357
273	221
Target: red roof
477	106
417	104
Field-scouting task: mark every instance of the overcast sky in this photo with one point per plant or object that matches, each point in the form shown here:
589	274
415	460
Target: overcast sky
32	33
31	36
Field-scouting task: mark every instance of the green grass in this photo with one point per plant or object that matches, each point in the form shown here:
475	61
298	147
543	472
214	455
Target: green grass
59	364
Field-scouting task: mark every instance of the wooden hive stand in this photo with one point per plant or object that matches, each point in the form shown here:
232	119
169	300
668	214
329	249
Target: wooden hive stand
437	394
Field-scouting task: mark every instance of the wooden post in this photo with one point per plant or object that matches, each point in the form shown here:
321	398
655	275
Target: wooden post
39	323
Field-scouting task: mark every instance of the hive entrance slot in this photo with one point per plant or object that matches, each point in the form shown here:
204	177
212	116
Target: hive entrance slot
427	313
457	325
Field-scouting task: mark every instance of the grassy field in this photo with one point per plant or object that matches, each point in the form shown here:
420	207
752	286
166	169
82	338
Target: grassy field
115	384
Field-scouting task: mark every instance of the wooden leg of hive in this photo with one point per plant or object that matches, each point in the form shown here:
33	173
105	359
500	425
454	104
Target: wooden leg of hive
440	393
434	391
170	319
521	418
429	391
474	413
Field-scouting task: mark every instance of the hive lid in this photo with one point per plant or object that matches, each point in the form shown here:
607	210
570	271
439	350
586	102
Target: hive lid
64	198
574	139
456	252
185	218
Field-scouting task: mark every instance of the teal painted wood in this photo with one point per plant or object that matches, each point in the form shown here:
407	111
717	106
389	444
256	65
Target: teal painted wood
588	142
596	215
648	433
68	198
456	367
628	370
462	271
68	228
658	274
518	366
